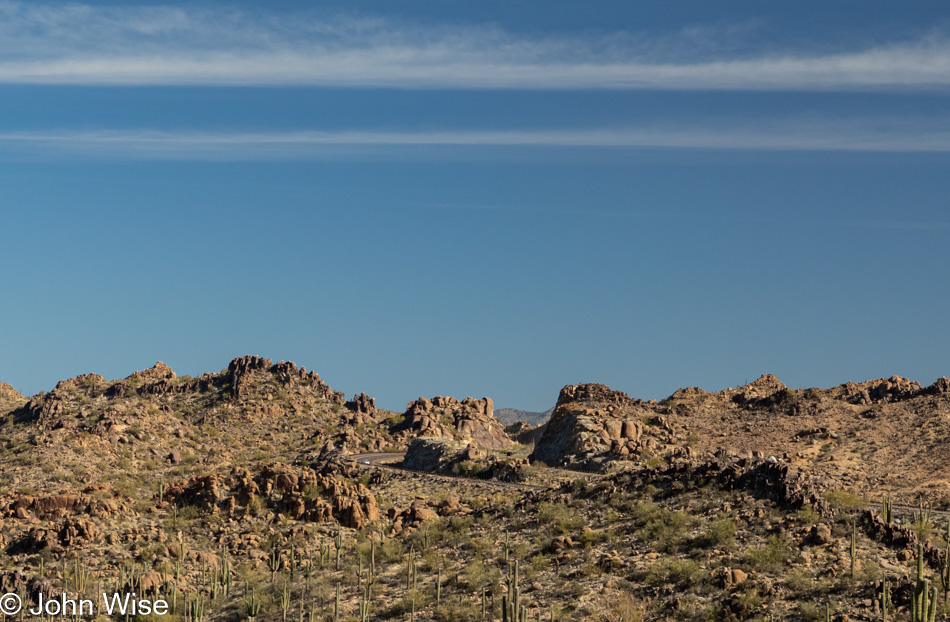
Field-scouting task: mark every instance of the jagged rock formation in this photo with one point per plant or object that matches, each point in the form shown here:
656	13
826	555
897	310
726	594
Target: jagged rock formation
893	389
298	494
363	408
469	421
241	374
590	422
25	506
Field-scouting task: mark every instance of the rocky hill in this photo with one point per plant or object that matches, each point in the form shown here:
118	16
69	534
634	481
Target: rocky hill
10	398
236	495
885	434
593	425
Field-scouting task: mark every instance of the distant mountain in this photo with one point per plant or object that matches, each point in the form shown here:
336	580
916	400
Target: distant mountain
512	415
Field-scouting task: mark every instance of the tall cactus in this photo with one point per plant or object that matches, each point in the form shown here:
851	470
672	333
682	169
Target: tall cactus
854	546
252	606
338	543
885	599
945	565
512	609
336	604
372	557
411	569
923	605
284	602
274	563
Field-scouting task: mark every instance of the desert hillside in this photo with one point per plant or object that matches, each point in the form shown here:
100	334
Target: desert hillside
258	492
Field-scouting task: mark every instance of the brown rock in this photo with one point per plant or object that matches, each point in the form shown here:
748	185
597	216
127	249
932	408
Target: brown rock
821	534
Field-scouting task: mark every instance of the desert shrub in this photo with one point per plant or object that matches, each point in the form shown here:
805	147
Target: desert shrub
390	551
672	571
626	608
589	537
665	529
745	602
719	533
809	515
811	612
842	499
559	518
800	580
432	533
401	607
451	610
256	505
770	556
313	491
868	571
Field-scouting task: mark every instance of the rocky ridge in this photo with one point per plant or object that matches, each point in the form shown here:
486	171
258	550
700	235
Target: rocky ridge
729	505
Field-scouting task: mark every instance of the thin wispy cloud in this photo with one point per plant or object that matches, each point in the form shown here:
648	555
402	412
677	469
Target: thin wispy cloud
80	44
264	146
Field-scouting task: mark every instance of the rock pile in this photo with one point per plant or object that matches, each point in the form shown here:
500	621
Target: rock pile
887	390
298	494
243	370
469	421
592	421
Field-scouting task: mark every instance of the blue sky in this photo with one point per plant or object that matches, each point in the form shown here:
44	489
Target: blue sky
432	197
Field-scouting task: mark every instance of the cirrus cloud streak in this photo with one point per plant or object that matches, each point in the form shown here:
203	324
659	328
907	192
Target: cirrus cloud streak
297	145
94	45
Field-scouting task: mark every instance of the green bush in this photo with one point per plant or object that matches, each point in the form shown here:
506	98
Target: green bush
719	534
559	518
770	556
665	529
672	571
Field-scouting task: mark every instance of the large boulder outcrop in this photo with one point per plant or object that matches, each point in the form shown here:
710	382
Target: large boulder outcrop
468	421
244	370
591	420
298	493
362	409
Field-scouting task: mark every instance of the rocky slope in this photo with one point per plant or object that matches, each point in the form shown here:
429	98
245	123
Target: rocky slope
10	398
886	434
231	495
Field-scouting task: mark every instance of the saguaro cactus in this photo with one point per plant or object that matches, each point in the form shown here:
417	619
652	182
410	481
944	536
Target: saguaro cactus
923	605
338	543
511	608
